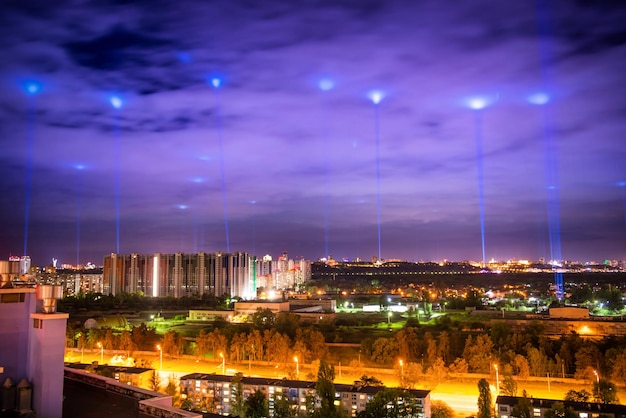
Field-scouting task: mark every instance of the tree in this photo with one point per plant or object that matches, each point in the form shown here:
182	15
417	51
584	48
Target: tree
256	406
521	367
618	367
237	404
287	323
605	391
370	381
263	318
392	403
282	407
587	358
407	342
523	408
172	343
459	367
477	353
577	396
485	409
438	370
325	389
155	381
509	386
202	344
384	350
440	409
413	374
126	342
558	410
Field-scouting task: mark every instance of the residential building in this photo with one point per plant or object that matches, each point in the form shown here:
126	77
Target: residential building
177	275
505	405
216	393
32	344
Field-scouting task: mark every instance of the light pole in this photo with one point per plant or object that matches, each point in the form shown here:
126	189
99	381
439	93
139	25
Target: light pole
160	356
497	379
223	363
295	358
389	318
101	347
595	372
401	373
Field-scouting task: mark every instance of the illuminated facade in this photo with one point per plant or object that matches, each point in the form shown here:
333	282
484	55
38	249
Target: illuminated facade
217	393
235	274
179	274
283	273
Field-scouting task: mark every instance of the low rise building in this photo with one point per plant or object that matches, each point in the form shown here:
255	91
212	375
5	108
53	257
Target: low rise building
505	405
216	393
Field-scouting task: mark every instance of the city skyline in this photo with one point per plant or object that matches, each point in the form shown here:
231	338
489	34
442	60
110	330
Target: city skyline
377	129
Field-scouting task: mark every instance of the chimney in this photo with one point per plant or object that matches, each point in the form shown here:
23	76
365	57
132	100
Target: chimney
48	295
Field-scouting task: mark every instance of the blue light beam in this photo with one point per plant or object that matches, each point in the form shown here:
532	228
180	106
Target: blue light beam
31	88
326	85
217	83
376	96
550	145
478	137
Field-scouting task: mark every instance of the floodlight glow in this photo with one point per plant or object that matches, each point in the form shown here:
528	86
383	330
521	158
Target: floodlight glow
253	202
376	96
538	98
183	207
477	103
80	167
184	57
116	102
216	82
197	180
326	84
32	87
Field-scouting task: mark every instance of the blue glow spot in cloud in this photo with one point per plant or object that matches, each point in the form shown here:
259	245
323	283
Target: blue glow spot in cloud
184	57
182	207
477	103
538	98
32	87
216	82
326	84
376	96
116	102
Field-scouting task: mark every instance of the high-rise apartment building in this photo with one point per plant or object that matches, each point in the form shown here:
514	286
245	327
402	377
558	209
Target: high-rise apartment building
180	274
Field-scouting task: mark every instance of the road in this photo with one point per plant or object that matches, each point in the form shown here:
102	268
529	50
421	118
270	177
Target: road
461	396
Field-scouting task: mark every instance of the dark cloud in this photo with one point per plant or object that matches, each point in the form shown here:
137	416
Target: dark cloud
269	135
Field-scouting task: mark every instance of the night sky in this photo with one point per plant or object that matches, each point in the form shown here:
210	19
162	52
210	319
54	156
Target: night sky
263	111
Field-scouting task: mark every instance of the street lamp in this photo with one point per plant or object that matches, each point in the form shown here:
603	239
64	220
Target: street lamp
160	356
401	372
389	317
223	363
497	379
295	358
101	347
597	376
